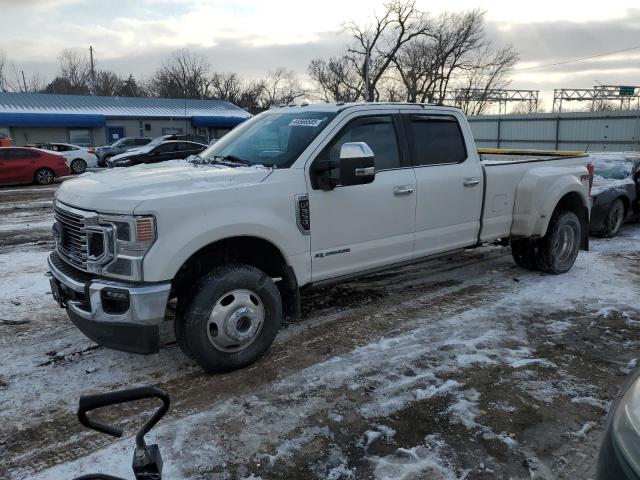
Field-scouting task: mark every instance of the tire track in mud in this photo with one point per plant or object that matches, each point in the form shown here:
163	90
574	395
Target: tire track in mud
332	331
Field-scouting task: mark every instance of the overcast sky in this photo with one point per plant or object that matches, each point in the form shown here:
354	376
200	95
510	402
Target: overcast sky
251	36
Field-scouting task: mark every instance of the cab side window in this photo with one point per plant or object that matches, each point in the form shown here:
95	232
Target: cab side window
166	148
435	140
377	132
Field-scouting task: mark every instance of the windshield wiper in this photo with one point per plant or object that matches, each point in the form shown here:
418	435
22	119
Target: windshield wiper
232	159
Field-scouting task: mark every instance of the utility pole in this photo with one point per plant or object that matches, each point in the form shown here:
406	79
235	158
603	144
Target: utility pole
92	71
24	82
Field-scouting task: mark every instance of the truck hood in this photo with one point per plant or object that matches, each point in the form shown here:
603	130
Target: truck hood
121	190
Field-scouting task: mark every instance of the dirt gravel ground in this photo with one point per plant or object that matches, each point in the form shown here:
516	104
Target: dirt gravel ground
462	368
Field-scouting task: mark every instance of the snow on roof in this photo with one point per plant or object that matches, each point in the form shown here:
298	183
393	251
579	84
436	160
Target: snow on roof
42	103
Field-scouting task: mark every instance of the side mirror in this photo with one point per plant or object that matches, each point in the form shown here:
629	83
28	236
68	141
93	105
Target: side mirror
356	164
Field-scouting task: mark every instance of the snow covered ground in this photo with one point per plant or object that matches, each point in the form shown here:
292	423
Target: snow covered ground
464	368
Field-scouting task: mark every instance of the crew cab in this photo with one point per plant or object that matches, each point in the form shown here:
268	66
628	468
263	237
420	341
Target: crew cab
294	198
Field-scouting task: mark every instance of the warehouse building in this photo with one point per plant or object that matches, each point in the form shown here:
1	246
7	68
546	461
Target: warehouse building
90	120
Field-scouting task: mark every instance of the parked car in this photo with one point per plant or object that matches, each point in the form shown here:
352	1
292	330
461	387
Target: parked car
616	191
79	158
295	198
619	457
156	152
30	165
189	137
119	146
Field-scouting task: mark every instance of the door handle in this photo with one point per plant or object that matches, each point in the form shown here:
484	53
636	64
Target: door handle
402	190
471	182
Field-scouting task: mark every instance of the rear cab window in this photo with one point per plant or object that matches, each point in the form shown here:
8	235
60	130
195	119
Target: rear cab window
434	140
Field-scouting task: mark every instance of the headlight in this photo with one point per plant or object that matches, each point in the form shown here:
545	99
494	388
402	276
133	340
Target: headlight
117	244
626	426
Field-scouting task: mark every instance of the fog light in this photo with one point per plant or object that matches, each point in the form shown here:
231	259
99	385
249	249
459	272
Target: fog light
114	301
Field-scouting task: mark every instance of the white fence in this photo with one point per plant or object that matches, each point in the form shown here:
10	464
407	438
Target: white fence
582	131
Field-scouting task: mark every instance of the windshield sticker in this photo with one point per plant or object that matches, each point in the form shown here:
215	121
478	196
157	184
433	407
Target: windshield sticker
306	122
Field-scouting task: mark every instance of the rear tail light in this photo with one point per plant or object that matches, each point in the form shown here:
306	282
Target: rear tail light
591	170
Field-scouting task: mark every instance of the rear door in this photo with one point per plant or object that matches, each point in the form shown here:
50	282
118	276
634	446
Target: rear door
166	151
361	227
449	184
18	165
187	149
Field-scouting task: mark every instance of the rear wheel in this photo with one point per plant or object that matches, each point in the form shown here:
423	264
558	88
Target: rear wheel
613	221
44	176
231	319
523	252
78	166
556	252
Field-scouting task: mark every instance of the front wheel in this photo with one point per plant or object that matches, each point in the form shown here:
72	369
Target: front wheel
44	176
231	318
613	221
556	252
78	166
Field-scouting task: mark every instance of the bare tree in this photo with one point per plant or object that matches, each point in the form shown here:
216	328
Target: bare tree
335	80
75	69
130	88
490	71
3	64
227	86
107	83
374	47
280	87
182	74
19	82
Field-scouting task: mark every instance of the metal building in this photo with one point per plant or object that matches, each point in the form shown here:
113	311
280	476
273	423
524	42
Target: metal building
617	130
92	120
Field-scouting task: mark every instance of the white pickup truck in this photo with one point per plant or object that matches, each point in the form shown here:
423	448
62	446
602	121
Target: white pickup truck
294	198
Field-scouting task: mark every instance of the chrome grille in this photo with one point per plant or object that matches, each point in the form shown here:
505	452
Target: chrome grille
73	247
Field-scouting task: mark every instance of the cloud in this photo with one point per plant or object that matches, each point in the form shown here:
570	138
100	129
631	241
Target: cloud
253	36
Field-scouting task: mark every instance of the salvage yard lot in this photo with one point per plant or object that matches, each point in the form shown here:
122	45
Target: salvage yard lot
466	367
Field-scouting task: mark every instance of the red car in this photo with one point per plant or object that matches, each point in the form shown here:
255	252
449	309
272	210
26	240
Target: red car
30	165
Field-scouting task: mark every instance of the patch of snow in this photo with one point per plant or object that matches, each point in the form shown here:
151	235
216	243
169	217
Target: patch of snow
432	390
432	460
558	326
586	428
594	402
287	448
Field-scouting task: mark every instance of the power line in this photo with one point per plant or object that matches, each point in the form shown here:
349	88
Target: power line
577	59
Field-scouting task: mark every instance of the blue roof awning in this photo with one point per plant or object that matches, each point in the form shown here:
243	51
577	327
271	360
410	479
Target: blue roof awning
216	121
51	120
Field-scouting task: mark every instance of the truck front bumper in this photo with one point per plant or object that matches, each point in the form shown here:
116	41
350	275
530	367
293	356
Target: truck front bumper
114	314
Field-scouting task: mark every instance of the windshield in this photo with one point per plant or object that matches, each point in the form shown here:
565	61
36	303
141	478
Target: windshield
613	169
270	139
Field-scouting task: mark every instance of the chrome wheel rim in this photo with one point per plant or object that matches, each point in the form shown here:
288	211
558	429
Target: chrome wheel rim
565	242
45	176
615	219
235	321
78	166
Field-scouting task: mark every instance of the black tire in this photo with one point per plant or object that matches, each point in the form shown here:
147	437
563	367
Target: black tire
523	252
199	335
179	327
78	166
613	220
556	252
44	176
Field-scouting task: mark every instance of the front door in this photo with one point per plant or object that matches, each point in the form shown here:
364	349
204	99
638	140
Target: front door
449	184
114	133
361	227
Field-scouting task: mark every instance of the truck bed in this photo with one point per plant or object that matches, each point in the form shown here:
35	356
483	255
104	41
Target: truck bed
493	156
